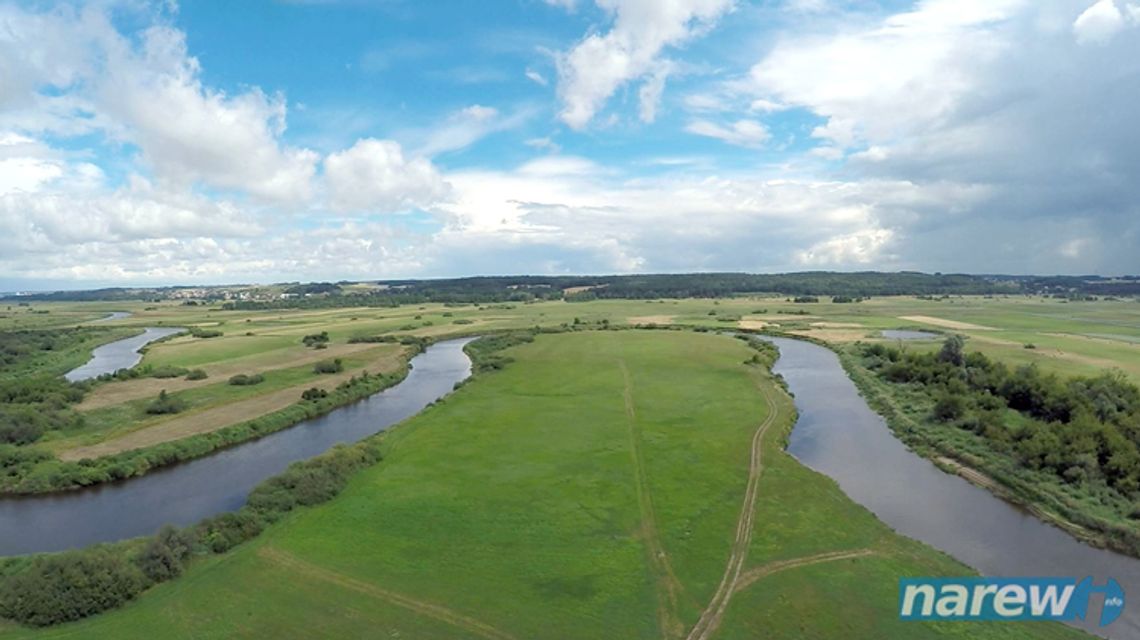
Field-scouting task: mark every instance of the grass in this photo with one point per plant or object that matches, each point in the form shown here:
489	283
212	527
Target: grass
511	510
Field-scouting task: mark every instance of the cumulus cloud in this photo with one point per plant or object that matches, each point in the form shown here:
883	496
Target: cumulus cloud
374	175
599	64
147	92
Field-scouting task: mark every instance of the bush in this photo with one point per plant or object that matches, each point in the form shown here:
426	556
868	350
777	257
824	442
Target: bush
329	366
313	393
199	332
166	403
69	586
949	408
244	380
168	372
165	555
21	424
316	339
463	321
196	374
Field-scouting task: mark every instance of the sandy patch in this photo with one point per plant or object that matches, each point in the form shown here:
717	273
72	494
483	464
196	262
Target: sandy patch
216	418
650	319
832	335
949	324
755	325
111	393
837	325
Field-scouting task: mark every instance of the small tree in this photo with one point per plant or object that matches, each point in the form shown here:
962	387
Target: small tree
953	351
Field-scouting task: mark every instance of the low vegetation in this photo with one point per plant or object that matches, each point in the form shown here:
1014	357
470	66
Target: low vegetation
166	403
329	366
245	380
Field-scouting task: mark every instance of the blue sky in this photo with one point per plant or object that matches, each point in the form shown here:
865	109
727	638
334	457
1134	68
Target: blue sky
160	143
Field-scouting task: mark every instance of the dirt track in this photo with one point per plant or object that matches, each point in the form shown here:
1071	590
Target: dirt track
435	611
711	616
666	583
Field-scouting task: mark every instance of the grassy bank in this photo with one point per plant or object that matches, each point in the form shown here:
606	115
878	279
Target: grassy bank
589	488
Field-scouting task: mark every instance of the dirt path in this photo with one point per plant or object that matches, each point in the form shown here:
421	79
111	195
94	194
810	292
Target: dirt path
752	575
711	616
222	416
667	585
434	611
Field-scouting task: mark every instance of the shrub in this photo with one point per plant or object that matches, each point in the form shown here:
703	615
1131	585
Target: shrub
243	380
199	332
166	403
463	321
329	366
313	394
316	339
196	374
168	372
69	586
165	555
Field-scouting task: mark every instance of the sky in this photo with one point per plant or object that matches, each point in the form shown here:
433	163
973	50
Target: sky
154	143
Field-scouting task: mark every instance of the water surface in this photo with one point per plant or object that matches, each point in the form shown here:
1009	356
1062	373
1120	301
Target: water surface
188	492
839	435
120	354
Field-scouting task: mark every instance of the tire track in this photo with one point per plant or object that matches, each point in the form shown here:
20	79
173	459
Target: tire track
435	611
711	616
752	575
666	584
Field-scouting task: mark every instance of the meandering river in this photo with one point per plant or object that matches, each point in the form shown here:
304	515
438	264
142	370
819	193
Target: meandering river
188	492
839	435
120	354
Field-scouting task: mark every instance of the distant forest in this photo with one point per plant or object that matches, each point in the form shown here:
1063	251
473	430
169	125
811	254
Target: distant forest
691	285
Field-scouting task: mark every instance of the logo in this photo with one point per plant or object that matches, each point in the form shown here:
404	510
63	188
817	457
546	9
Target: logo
1006	599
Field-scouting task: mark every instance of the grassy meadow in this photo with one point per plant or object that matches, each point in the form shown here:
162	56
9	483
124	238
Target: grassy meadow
590	489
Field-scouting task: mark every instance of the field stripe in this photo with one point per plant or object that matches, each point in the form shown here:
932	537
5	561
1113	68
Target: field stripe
752	575
711	616
667	585
435	611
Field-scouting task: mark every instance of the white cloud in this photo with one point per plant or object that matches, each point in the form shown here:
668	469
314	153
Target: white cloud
467	126
601	63
743	133
145	91
545	143
1103	20
189	133
566	5
373	175
536	77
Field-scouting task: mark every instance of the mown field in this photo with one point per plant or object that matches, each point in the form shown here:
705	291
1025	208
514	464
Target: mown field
590	489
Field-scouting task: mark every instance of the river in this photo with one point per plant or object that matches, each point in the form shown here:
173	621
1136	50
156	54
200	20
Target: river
186	493
840	436
120	354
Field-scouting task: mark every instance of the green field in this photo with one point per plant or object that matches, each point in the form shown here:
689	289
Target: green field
591	489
